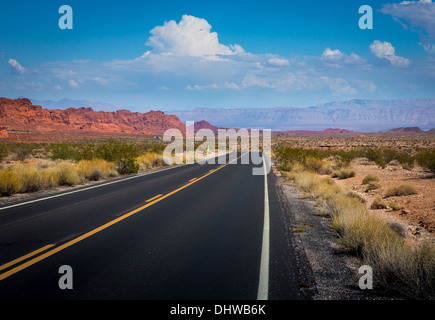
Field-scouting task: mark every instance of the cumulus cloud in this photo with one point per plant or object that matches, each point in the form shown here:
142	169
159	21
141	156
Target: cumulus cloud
277	62
16	67
417	16
385	51
192	36
337	58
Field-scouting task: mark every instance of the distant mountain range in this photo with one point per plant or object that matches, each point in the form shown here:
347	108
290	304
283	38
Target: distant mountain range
357	115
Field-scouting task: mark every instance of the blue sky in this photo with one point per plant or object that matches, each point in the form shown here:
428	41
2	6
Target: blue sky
169	55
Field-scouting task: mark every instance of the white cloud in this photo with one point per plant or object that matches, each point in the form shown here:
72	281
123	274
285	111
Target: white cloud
73	83
226	85
277	62
16	67
417	16
190	37
339	86
337	58
58	87
385	50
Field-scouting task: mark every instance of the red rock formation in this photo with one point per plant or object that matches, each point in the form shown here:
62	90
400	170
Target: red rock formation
4	132
20	114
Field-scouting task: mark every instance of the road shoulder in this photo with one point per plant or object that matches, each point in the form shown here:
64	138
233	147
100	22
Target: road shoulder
334	273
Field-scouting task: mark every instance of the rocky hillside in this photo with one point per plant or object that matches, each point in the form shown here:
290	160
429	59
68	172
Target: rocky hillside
20	114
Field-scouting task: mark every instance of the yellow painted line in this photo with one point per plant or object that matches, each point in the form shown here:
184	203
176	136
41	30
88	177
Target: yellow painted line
192	179
153	198
104	226
31	254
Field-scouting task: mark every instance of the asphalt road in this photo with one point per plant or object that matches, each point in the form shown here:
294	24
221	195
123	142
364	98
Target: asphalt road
188	232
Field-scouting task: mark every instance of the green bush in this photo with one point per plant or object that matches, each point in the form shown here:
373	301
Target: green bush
426	159
3	151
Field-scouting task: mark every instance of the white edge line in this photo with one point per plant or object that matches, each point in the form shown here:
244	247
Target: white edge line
93	187
263	286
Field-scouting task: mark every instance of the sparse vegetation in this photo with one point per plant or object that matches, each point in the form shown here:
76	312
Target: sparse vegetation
395	206
398	267
370	178
31	166
426	159
378	203
373	186
344	173
401	190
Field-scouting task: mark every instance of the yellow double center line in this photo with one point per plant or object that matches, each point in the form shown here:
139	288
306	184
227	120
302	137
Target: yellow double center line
92	232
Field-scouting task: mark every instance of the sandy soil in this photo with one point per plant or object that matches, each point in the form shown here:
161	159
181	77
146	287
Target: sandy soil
418	214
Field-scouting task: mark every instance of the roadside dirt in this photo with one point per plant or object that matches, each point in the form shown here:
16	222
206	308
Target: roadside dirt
417	212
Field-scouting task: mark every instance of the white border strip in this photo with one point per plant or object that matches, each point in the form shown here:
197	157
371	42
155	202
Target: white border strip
263	286
97	186
92	187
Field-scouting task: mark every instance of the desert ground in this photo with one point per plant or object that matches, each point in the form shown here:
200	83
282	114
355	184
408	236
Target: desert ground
415	214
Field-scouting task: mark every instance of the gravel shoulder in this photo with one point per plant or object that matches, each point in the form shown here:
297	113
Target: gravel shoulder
334	272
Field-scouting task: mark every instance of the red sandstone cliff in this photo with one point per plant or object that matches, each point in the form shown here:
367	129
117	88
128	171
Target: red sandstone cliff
20	114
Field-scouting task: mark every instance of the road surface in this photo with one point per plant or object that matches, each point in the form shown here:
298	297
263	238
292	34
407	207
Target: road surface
189	232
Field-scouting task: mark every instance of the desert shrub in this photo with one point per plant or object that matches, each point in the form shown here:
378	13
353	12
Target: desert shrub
65	151
397	268
94	170
23	150
3	151
378	203
150	160
395	206
370	178
343	173
10	182
123	154
401	190
426	159
400	269
30	178
318	165
44	164
50	177
127	166
67	174
373	186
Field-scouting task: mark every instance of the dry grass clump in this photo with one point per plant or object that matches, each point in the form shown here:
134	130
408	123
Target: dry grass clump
343	173
370	178
373	185
150	160
94	170
318	165
24	178
10	182
378	203
401	190
397	267
395	206
67	174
